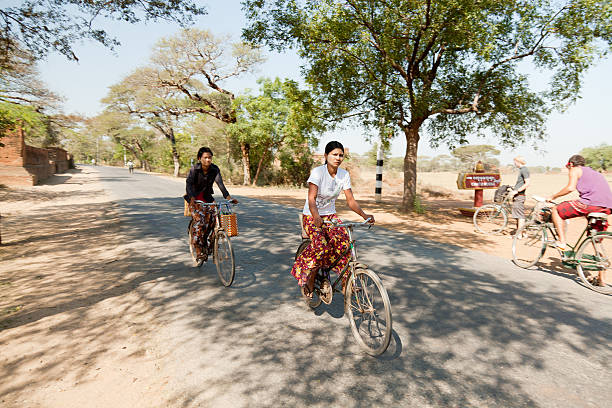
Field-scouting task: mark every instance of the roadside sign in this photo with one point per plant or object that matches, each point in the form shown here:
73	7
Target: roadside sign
476	181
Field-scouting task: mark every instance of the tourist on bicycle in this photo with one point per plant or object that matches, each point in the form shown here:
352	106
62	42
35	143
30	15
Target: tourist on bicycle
518	192
200	187
326	244
594	191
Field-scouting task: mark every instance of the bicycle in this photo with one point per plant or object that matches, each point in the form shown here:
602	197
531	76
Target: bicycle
493	218
222	251
366	302
590	255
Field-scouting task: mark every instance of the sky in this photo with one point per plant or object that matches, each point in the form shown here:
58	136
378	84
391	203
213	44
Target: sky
84	83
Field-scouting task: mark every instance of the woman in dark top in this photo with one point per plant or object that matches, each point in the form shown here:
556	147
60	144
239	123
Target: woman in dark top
199	187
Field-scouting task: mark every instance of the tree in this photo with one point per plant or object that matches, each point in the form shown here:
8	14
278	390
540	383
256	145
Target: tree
449	65
599	157
282	116
139	96
196	63
125	132
471	154
372	154
55	25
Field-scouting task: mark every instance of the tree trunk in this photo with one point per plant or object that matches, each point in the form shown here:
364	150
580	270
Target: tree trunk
175	154
410	164
246	163
259	165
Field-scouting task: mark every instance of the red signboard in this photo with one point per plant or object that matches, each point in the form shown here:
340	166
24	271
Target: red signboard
467	181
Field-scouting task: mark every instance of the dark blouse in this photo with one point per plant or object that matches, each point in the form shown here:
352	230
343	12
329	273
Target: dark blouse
199	182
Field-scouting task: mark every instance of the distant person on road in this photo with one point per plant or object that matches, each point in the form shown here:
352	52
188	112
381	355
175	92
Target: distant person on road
593	189
518	192
130	166
325	184
93	162
200	187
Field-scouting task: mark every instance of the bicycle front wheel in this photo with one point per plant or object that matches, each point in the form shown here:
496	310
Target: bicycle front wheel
528	245
595	263
368	309
224	258
490	219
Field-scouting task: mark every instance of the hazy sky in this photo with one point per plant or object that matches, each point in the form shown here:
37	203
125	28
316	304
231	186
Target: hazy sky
83	84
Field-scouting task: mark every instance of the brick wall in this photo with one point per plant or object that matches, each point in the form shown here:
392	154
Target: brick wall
13	152
21	164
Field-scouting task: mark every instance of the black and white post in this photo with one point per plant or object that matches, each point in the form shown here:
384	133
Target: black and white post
379	173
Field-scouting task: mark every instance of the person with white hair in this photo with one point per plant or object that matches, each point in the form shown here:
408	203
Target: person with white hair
518	192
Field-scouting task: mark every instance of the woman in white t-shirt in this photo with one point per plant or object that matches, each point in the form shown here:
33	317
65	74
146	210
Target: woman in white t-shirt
326	244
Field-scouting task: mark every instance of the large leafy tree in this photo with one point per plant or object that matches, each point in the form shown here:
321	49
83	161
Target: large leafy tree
56	25
197	64
281	116
139	96
451	65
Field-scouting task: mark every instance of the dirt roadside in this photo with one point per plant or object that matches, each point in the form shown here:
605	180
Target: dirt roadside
74	331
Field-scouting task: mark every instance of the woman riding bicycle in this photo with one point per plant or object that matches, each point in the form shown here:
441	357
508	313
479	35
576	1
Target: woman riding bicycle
326	244
200	187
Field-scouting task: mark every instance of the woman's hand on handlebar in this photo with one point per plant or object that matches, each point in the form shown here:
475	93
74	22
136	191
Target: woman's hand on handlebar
232	200
369	218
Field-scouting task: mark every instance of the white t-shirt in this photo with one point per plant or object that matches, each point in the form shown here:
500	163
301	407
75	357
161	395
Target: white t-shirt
329	189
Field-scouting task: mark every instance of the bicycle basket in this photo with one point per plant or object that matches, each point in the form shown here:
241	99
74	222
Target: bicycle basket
229	222
501	193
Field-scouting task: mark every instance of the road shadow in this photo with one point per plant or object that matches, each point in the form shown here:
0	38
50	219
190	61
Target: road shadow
456	323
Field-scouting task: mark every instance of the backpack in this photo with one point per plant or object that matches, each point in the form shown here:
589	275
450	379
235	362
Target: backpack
501	192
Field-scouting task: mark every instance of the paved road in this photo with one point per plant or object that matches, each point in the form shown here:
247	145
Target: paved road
470	329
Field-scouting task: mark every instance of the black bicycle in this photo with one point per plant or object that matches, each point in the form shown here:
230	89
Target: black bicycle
366	302
221	250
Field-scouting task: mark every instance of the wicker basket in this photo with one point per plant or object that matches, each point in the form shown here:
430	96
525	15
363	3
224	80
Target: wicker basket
229	222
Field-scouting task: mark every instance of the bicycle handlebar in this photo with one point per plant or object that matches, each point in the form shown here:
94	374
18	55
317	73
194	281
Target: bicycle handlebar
543	200
348	224
216	203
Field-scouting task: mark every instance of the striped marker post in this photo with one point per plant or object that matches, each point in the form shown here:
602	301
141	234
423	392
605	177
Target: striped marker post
379	171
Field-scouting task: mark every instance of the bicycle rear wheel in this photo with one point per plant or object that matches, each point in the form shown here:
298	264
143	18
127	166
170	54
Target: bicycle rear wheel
595	263
368	309
490	219
528	245
224	258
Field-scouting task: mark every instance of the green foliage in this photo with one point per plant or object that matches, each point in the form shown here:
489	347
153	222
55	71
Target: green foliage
34	124
417	205
599	157
372	154
452	66
45	26
472	154
281	118
295	167
442	162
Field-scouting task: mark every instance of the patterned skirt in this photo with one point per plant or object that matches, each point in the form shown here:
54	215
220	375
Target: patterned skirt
203	224
326	246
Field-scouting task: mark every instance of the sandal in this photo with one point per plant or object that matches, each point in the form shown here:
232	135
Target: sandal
307	293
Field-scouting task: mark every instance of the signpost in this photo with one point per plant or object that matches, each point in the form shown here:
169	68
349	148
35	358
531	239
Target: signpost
477	181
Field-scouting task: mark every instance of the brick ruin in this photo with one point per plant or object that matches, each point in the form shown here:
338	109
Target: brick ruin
23	165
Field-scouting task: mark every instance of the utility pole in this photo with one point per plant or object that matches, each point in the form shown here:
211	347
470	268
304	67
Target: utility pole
379	164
